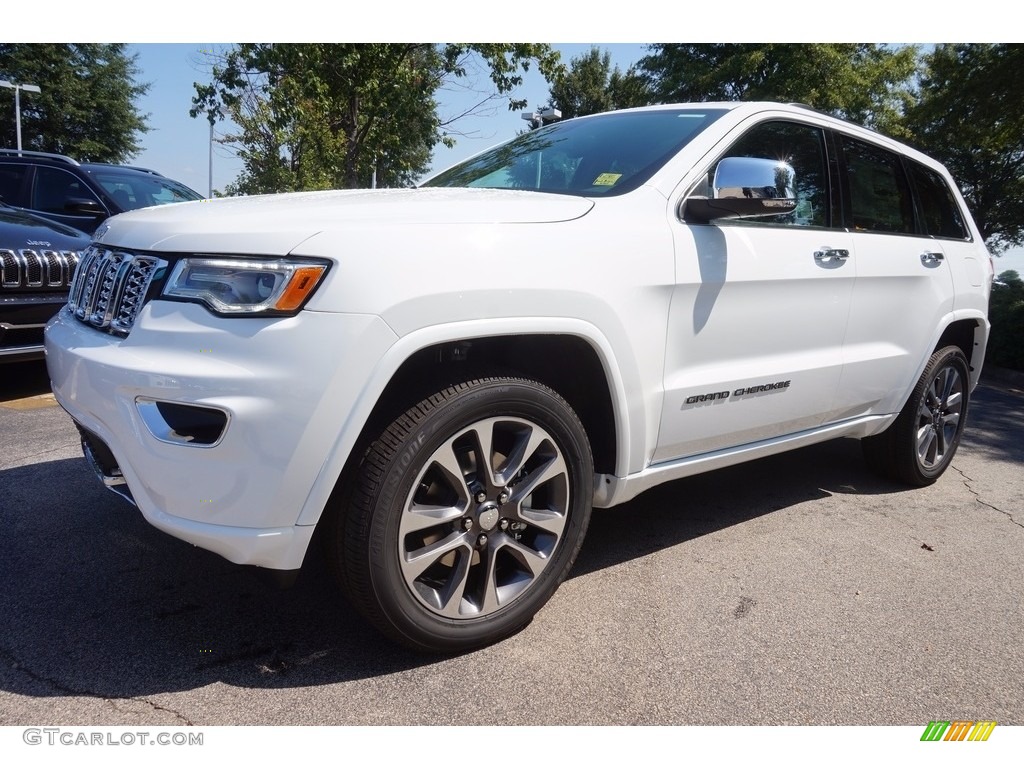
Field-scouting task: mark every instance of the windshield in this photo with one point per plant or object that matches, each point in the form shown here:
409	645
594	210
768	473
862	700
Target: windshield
140	190
597	156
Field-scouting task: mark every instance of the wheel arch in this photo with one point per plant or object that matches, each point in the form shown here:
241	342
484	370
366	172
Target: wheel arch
570	356
970	334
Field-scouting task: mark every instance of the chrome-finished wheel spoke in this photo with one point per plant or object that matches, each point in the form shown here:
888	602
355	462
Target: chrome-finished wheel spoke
925	440
483	434
951	380
551	469
952	400
523	451
950	420
530	559
419	560
545	519
420	517
491	601
451	597
446	460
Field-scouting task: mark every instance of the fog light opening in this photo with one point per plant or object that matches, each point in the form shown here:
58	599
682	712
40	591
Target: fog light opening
183	424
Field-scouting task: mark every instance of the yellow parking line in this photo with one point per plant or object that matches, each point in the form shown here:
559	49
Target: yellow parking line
30	403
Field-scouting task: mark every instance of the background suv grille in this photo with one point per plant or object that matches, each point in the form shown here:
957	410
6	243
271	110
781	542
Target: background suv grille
110	288
41	270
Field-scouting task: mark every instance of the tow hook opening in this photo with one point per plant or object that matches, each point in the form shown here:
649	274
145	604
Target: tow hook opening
103	463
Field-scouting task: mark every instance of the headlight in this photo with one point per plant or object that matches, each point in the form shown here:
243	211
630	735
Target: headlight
245	286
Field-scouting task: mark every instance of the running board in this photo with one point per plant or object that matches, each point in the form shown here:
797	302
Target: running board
610	490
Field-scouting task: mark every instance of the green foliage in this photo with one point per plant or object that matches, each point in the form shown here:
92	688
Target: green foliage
87	105
506	62
970	116
318	116
1006	313
590	85
866	83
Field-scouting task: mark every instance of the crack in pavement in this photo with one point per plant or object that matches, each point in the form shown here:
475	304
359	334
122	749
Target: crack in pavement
977	496
15	664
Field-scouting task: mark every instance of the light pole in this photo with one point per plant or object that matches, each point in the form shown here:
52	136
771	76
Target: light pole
211	157
17	103
540	119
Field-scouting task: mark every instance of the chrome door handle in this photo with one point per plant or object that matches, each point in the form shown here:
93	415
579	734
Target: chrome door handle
930	258
826	255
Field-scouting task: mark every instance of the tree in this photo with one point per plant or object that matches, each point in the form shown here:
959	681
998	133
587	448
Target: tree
868	84
1006	311
970	115
316	116
591	85
86	108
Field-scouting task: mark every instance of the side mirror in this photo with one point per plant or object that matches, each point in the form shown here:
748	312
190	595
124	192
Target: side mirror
83	206
744	187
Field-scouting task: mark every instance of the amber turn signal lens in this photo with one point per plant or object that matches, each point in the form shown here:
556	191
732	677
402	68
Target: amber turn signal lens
303	281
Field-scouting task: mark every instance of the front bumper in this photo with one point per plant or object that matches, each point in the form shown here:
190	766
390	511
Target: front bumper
285	387
22	318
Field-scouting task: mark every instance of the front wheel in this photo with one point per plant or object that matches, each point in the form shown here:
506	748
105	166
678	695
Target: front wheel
467	514
922	441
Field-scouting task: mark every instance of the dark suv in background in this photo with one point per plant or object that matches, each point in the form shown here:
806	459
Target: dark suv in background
82	195
38	258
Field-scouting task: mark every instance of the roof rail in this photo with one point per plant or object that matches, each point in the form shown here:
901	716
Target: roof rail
48	155
841	119
138	168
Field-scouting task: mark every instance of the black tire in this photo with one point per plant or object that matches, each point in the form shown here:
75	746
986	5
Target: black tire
444	557
918	447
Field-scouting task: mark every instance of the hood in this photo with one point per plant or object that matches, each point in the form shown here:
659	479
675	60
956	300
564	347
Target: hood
275	224
19	229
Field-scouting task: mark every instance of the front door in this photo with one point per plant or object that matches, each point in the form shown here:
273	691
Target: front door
759	311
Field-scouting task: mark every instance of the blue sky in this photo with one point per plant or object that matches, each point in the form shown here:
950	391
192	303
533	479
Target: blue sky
178	145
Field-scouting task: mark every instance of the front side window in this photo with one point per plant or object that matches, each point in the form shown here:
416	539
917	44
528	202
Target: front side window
803	148
54	188
879	192
596	156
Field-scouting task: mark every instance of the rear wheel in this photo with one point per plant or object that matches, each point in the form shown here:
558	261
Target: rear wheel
922	441
467	514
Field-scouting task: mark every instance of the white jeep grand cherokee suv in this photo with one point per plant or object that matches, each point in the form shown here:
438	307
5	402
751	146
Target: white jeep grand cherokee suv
445	380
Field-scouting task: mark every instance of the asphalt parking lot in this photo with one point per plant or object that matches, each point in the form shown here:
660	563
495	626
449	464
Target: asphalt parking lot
795	590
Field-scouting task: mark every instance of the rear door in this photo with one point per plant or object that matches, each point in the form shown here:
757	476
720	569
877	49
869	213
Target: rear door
904	285
13	183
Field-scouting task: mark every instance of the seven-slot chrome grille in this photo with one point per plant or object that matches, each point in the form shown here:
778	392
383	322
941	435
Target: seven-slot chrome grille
42	269
110	288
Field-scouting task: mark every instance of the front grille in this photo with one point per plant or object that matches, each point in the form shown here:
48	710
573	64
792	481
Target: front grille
43	269
110	288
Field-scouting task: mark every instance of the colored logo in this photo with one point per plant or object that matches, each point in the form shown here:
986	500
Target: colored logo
958	730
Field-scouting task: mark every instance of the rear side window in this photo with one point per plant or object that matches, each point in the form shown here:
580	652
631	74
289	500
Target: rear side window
879	191
939	212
